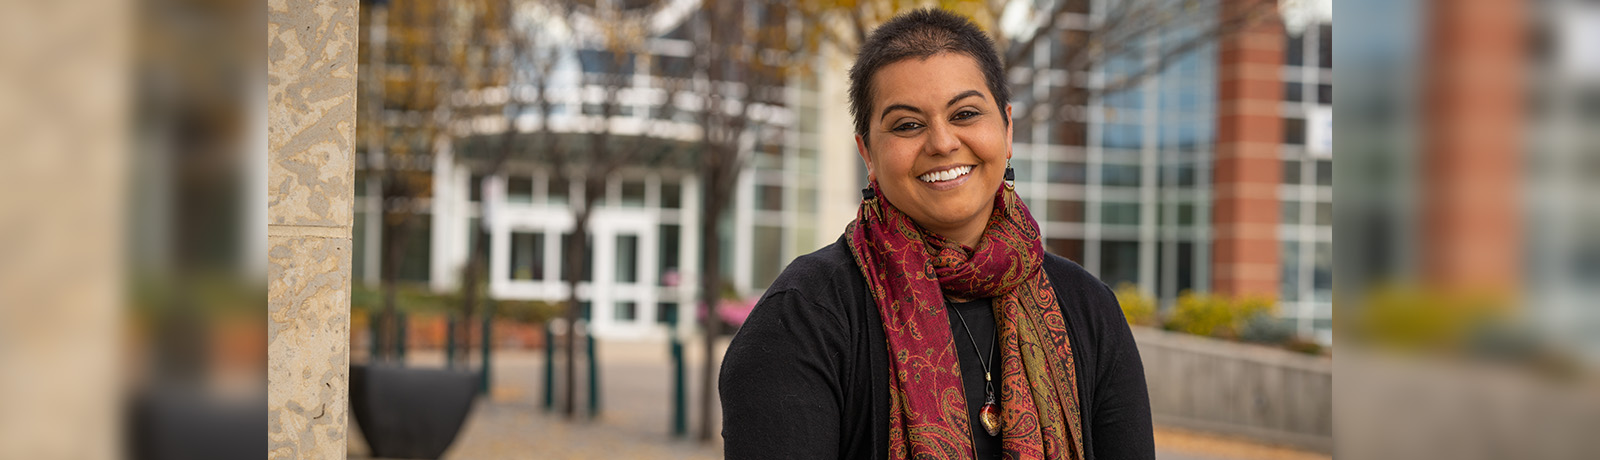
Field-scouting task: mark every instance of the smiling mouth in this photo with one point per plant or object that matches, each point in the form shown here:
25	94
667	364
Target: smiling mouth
948	174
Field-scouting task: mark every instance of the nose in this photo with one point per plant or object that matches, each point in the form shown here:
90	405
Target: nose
941	139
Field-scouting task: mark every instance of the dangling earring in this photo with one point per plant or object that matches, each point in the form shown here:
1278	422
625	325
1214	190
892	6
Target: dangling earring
1011	174
867	193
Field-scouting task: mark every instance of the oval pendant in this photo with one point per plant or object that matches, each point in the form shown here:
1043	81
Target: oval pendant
990	416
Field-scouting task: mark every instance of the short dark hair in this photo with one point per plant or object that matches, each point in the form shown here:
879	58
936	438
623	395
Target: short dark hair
921	34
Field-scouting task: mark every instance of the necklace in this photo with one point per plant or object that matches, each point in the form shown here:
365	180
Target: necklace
989	415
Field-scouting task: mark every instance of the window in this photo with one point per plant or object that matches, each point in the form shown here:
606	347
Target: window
1291	172
668	245
1292	91
627	311
1322	273
1325	46
1064	210
633	194
559	188
1116	213
1067	172
519	189
1071	248
1119	175
1325	94
1294	131
1289	213
475	188
1294	51
1289	270
1325	172
671	195
769	197
627	259
1325	213
1121	136
527	256
1119	262
667	313
766	255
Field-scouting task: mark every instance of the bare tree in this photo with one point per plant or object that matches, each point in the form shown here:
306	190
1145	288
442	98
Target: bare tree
745	54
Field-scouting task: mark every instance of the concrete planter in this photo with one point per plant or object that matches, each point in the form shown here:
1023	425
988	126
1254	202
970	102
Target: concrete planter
1259	392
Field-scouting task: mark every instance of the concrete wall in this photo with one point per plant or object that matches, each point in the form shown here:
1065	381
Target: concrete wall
1252	391
311	97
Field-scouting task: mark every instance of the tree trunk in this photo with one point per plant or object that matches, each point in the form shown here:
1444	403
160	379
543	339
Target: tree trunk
393	249
471	279
575	249
717	185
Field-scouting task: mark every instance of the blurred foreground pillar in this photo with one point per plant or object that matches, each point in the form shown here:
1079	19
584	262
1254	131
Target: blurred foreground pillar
63	72
1471	165
1248	168
311	97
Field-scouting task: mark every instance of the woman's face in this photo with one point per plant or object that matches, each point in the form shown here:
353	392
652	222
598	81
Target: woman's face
937	143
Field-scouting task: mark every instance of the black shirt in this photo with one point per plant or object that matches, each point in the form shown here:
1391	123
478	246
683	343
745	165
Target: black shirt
807	374
979	319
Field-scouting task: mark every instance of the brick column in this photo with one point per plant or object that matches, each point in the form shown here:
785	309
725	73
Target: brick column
1247	169
311	97
1470	169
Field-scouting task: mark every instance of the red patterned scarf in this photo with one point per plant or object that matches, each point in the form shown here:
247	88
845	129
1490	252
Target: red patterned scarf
908	271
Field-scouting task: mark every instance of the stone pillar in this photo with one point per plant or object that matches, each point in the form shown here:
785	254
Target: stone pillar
1247	169
1471	174
311	97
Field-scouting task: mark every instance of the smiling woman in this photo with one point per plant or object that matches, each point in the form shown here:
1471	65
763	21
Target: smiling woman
936	326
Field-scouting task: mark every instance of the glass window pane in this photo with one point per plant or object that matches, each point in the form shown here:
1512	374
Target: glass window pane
559	190
1294	51
1294	131
1325	213
519	189
475	188
1325	172
1289	271
527	256
1325	94
627	259
766	255
1290	212
1071	248
668	244
1064	210
769	197
1119	175
587	260
1322	273
1185	214
1292	91
1116	213
671	195
1119	262
627	311
667	313
1067	172
633	194
1291	172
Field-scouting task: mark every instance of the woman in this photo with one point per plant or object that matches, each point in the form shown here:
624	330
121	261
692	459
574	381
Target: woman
936	327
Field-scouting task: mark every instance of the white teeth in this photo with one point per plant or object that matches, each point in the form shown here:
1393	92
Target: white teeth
945	175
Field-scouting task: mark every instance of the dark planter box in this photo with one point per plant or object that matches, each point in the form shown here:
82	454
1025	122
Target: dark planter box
408	412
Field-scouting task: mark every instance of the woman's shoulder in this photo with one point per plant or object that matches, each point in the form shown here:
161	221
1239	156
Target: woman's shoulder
828	278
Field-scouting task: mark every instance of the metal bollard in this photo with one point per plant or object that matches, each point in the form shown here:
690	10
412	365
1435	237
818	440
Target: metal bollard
549	366
450	342
483	384
680	415
594	375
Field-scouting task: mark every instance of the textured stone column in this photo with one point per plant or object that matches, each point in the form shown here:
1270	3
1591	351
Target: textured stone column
311	97
1244	219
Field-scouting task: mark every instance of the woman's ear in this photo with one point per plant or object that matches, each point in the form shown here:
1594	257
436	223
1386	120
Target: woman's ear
861	149
1010	124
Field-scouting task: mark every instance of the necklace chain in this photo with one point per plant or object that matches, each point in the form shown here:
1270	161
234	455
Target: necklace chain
987	386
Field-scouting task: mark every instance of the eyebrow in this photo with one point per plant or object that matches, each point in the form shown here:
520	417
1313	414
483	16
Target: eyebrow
953	101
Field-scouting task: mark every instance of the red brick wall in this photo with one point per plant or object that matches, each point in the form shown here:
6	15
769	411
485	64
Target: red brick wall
1470	174
1247	170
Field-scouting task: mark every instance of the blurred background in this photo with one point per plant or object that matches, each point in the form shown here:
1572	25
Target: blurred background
1181	150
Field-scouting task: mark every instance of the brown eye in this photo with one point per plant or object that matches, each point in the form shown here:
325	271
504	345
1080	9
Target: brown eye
907	126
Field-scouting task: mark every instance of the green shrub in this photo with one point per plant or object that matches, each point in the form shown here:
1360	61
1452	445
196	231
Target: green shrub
1215	315
1138	308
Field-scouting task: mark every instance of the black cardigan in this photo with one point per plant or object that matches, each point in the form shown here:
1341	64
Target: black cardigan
807	374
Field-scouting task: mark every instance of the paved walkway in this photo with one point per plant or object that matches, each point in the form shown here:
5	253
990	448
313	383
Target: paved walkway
634	417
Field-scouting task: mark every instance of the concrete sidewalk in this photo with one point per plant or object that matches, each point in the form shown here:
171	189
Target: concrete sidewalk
634	421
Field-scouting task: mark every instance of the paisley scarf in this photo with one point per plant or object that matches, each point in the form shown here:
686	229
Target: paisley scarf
909	271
